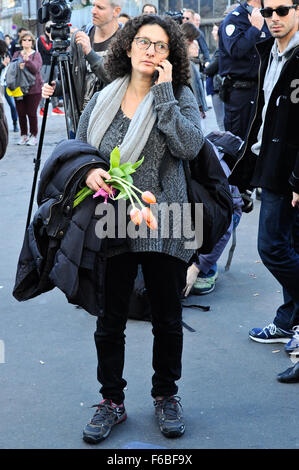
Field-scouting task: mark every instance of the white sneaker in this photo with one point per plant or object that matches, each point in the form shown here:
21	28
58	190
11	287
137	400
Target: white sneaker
32	140
23	140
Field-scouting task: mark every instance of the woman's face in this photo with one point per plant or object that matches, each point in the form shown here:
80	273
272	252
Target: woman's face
27	42
144	59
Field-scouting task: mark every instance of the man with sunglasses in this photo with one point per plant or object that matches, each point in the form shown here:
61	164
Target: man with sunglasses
239	33
272	153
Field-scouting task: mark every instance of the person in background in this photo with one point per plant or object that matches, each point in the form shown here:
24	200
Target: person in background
15	43
189	17
271	161
5	59
87	50
123	18
213	82
190	33
44	46
28	105
149	9
239	33
8	40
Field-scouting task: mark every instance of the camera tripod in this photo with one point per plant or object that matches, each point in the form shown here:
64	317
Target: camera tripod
60	57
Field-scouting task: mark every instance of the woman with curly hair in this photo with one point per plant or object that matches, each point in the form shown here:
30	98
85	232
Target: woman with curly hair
148	111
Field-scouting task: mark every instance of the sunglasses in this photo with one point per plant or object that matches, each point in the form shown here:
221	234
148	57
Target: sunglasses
27	40
186	18
280	11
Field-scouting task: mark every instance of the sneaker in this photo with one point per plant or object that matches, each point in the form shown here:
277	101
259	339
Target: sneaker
293	344
32	140
57	111
270	334
107	415
170	416
23	140
204	285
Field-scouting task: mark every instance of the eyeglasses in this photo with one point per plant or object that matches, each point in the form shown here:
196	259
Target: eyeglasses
160	46
27	40
281	11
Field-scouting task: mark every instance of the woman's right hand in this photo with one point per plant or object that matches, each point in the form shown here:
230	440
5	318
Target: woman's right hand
94	179
48	90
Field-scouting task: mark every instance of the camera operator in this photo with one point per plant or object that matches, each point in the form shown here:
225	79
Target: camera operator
45	48
87	48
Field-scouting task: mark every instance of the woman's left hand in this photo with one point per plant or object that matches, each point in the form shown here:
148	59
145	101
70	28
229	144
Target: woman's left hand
165	72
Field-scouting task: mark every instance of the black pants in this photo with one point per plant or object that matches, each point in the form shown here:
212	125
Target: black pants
238	110
165	278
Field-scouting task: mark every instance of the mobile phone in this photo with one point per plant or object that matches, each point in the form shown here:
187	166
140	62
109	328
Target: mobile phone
155	76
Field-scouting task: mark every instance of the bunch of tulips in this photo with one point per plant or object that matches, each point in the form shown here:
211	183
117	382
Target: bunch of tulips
122	181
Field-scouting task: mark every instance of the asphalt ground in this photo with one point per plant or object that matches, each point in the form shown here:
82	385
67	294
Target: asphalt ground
229	391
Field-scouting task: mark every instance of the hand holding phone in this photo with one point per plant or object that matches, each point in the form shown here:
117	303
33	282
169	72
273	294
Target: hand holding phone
164	70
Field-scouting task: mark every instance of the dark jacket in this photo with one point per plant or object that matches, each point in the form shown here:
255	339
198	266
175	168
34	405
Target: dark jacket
3	132
60	247
32	65
277	167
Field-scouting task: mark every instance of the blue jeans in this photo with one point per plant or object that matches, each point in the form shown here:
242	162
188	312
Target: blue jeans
11	103
278	246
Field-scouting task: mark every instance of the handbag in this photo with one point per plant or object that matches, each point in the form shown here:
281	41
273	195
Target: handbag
207	184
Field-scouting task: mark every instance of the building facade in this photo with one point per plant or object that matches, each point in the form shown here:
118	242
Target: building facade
210	10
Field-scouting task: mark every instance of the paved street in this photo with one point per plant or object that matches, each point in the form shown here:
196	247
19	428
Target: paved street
48	380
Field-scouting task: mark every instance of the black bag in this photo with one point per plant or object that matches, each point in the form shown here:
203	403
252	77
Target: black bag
139	307
208	184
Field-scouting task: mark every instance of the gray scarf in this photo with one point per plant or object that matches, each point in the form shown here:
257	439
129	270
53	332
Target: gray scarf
107	106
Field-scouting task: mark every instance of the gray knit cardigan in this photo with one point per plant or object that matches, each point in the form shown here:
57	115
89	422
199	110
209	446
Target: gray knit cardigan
176	136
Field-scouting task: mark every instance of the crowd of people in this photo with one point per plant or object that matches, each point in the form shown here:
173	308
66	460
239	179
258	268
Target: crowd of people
141	84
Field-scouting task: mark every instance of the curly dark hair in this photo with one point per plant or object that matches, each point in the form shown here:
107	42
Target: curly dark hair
118	63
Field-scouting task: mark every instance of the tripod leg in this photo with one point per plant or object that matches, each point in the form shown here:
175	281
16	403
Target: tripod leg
72	96
40	146
62	77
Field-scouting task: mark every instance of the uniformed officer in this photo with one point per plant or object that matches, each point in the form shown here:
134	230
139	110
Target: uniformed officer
239	32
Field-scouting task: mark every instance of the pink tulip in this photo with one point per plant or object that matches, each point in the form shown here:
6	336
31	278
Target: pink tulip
136	216
148	197
102	192
149	218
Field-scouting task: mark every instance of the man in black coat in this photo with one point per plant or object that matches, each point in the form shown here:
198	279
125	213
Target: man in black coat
272	154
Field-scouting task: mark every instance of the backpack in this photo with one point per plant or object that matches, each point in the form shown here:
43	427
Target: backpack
208	184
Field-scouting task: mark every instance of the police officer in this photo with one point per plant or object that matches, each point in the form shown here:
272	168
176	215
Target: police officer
239	32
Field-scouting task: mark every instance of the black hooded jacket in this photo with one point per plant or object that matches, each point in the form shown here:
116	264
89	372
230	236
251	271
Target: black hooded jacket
60	247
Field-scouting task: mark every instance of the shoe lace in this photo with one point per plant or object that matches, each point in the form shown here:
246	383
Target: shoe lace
104	409
272	328
169	406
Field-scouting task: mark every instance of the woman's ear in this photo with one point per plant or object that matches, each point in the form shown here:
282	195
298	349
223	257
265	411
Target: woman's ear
129	53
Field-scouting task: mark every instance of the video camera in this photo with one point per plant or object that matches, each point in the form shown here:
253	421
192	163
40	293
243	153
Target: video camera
59	13
175	15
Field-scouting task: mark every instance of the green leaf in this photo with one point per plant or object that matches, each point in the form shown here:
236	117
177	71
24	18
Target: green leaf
138	163
114	158
116	172
128	178
121	196
127	168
